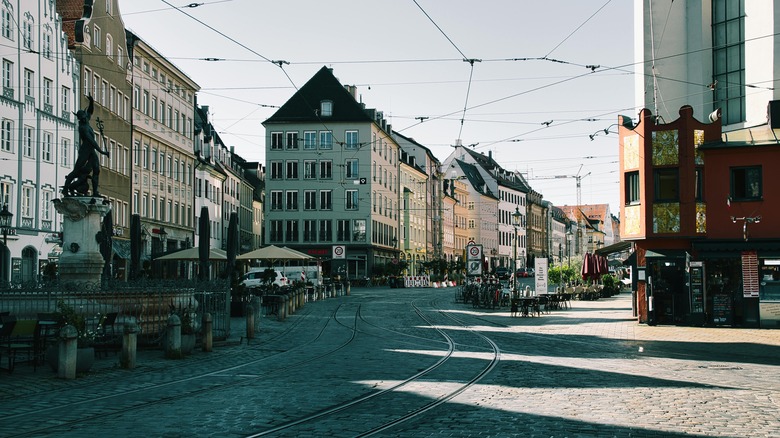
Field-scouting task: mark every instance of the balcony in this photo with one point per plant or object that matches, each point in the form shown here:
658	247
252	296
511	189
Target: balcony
8	93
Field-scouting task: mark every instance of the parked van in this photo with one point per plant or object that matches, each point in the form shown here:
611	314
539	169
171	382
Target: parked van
254	279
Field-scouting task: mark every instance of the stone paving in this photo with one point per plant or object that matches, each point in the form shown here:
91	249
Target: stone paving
590	370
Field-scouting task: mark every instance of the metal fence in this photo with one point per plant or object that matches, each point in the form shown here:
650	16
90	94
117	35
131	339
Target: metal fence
148	303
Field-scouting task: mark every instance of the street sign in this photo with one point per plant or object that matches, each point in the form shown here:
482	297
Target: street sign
339	252
363	180
474	252
474	267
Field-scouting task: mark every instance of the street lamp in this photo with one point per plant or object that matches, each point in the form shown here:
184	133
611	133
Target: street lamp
516	220
569	236
5	223
163	238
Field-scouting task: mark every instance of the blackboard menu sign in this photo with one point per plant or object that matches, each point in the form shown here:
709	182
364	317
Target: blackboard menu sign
721	309
697	287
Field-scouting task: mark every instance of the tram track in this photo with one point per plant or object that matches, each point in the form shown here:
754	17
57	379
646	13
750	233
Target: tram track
184	388
330	413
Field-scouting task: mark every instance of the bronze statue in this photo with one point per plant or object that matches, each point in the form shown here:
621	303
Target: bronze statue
87	162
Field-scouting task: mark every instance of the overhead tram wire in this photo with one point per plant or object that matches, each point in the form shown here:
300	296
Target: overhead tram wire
578	28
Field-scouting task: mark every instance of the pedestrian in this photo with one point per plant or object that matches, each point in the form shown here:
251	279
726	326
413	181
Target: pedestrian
513	311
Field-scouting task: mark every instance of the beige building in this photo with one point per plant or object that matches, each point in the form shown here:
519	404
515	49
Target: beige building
163	139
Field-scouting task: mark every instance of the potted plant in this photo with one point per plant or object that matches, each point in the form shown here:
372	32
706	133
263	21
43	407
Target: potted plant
85	355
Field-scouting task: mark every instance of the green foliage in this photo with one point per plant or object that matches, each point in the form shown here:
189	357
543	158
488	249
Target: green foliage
558	274
69	316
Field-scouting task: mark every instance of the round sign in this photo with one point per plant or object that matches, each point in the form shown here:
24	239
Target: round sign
339	250
474	251
471	242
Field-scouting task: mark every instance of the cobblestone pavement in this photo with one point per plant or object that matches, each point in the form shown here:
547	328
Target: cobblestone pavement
589	370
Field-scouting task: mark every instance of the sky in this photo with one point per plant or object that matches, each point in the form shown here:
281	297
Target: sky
529	82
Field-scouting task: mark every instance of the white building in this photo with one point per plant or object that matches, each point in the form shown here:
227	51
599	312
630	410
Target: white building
37	132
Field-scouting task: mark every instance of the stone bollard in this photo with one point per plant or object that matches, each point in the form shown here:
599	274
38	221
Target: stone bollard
258	305
250	321
282	307
68	346
208	332
129	345
301	298
348	288
173	338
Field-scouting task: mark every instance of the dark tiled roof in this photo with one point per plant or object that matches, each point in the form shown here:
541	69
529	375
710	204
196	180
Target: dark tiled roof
304	105
475	179
491	166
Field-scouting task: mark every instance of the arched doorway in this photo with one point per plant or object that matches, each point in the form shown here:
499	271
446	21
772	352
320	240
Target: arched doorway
29	271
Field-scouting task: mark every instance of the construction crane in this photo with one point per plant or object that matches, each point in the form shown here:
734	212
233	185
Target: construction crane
577	177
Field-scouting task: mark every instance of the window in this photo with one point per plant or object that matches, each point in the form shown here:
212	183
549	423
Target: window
145	103
7	24
29	83
46	49
291	234
632	188
276	140
698	190
46	146
27	142
309	169
351	199
154	161
275	232
27	202
326	169
728	58
326	231
153	115
276	200
65	100
6	136
326	108
309	230
292	169
144	205
109	47
137	97
65	161
310	140
46	207
326	199
351	169
292	140
97	36
342	230
6	189
667	187
109	7
27	33
359	230
309	199
276	169
8	79
292	200
351	140
326	140
746	184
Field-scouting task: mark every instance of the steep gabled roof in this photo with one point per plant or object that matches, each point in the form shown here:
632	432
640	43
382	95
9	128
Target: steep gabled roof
516	181
304	105
475	179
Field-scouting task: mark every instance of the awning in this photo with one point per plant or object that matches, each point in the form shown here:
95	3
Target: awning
615	247
733	248
665	254
121	248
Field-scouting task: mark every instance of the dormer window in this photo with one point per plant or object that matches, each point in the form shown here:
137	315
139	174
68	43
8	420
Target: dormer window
326	108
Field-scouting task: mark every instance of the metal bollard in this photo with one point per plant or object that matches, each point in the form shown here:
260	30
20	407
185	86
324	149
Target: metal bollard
129	345
208	335
68	346
250	322
173	338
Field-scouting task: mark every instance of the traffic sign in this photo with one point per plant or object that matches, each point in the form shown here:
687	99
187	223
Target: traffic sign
474	252
339	252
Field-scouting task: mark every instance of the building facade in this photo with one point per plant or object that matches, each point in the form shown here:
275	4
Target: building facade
332	179
37	134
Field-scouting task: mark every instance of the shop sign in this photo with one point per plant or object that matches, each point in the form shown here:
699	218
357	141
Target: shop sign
750	282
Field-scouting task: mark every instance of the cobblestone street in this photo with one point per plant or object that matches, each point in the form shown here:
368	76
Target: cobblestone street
412	362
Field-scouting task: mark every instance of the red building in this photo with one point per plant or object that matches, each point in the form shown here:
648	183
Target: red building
700	207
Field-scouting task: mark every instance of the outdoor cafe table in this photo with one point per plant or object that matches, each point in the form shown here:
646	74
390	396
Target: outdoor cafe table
526	304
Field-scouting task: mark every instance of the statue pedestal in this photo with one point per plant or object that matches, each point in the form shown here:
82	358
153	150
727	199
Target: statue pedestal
81	261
